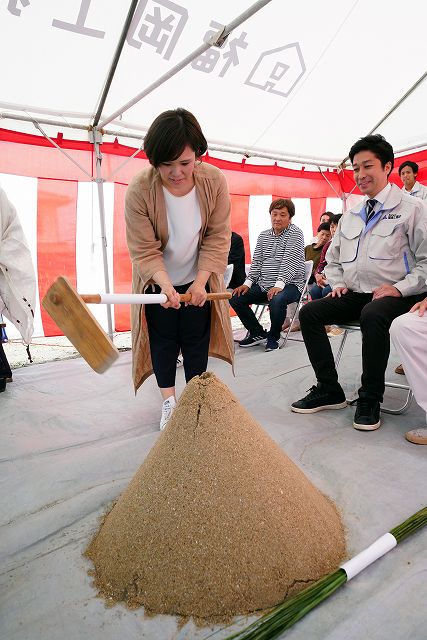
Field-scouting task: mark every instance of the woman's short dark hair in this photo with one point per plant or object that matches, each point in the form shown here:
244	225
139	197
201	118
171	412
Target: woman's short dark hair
324	226
335	218
327	213
411	165
170	133
281	203
379	147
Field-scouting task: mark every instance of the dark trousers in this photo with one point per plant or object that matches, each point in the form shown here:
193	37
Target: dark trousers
5	371
170	331
375	318
277	305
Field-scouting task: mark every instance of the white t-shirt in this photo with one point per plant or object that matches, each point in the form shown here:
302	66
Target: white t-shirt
184	224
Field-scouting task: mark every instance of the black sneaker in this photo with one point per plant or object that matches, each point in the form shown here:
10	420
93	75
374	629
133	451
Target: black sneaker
367	416
251	340
272	344
318	399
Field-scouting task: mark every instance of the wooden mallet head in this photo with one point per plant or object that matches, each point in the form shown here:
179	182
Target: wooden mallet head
67	308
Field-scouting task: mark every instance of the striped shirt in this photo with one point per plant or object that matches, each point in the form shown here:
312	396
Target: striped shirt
278	260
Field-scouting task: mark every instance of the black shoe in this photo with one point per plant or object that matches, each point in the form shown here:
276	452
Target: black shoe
252	340
318	399
272	344
2	384
367	416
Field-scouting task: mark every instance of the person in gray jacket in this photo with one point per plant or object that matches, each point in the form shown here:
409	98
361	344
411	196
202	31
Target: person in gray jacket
408	172
377	267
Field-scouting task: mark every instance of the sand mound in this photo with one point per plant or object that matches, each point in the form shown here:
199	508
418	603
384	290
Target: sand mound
217	521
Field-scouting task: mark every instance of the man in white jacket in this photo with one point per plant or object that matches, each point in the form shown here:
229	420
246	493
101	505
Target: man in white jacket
17	279
408	172
377	267
409	335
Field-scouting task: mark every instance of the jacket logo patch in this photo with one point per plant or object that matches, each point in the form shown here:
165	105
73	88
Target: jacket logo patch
392	216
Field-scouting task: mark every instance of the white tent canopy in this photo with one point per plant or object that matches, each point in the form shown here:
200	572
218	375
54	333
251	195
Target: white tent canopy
301	80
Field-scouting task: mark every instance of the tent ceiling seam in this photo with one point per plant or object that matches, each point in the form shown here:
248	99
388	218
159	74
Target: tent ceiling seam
395	106
298	89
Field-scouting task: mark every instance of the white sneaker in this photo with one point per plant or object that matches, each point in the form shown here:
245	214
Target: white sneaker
167	409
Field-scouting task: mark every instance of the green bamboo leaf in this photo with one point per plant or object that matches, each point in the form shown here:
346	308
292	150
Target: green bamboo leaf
287	613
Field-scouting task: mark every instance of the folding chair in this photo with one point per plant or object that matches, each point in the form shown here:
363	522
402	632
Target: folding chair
355	326
228	274
304	297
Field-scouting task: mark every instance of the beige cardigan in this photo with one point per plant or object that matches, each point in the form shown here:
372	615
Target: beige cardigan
147	236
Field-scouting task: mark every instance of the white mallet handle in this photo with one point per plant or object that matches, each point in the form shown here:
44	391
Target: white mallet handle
142	298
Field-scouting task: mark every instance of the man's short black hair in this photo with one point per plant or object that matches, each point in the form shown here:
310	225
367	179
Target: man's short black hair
411	165
335	218
170	133
379	147
325	226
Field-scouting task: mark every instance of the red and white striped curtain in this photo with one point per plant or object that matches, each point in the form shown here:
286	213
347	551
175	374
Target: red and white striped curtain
58	208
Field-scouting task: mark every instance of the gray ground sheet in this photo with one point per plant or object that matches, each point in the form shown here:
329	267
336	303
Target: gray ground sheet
71	440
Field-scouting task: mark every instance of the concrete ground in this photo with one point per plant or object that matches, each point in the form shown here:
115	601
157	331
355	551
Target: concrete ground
71	440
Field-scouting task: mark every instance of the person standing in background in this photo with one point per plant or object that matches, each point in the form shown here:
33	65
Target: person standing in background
17	280
236	257
408	172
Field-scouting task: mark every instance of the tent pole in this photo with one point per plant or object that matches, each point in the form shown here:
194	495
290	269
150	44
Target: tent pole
5	115
124	163
97	140
394	107
216	40
329	183
245	151
115	62
52	142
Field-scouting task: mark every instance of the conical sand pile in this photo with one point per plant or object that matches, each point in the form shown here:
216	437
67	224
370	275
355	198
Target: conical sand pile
217	521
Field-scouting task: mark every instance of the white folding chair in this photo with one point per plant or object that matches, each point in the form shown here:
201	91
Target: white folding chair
228	274
355	326
284	335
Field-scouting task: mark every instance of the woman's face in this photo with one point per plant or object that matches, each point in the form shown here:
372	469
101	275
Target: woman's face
177	175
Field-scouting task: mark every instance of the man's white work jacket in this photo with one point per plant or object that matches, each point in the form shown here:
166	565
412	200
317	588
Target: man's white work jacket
418	190
391	249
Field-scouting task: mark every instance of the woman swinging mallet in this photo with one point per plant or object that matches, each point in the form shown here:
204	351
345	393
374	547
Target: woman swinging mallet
178	233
